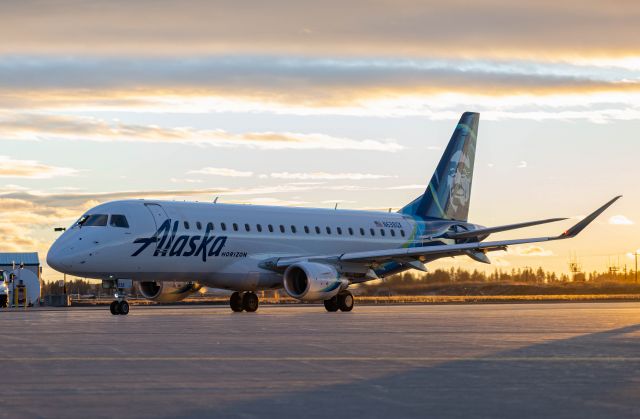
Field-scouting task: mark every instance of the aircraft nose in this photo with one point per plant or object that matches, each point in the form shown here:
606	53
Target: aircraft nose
58	258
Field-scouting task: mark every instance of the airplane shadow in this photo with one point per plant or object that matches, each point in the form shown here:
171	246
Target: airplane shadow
593	375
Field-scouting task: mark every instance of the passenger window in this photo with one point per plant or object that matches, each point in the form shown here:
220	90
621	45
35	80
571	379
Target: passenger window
210	226
373	232
235	227
361	231
382	232
247	227
224	226
328	230
402	233
270	228
198	225
393	233
259	228
317	230
118	220
281	228
306	229
293	229
339	230
94	220
350	231
186	225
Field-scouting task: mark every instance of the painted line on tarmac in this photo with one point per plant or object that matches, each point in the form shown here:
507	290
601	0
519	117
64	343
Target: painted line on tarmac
187	358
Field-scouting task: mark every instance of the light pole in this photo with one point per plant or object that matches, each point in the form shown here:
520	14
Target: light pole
64	275
635	256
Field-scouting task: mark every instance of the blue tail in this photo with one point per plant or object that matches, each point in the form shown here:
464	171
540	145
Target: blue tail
448	195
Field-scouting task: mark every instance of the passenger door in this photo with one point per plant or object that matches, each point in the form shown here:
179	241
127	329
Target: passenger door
159	215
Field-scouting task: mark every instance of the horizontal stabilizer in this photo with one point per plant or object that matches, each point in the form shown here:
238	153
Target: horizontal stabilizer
490	230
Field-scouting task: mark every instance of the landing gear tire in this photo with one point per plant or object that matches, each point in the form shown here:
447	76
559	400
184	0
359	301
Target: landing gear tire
250	302
236	302
123	308
114	308
331	304
345	301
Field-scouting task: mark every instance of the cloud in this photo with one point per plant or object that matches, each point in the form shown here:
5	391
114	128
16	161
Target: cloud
403	187
31	169
383	27
219	171
55	127
522	165
531	250
428	87
620	220
185	180
328	176
302	77
17	239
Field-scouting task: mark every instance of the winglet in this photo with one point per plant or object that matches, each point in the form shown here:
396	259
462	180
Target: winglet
576	229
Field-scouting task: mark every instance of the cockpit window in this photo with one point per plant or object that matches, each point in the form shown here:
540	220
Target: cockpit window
119	220
93	220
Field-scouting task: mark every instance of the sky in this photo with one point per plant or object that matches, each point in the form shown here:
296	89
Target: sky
307	103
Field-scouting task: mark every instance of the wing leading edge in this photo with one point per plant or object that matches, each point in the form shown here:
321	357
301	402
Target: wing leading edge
427	253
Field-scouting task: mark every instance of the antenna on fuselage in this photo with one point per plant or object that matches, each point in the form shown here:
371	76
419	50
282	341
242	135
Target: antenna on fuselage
336	207
215	201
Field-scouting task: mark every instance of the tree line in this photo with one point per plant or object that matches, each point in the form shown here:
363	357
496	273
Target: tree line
414	279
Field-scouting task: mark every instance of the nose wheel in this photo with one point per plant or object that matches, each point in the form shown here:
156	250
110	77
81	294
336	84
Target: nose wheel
120	305
246	301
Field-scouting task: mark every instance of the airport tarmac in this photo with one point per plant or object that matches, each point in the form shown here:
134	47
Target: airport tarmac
578	360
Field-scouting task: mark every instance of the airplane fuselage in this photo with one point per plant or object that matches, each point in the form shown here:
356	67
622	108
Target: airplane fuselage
224	246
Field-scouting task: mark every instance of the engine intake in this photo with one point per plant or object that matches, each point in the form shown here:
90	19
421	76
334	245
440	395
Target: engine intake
310	281
167	292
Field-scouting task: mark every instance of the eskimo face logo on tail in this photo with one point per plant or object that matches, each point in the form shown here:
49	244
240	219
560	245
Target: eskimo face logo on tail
183	245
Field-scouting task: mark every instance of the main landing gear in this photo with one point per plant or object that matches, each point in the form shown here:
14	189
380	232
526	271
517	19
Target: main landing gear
244	301
343	302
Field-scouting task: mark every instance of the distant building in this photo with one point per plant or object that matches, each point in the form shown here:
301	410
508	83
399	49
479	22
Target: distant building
30	262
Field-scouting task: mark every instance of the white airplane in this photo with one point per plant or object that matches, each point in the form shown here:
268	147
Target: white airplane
172	249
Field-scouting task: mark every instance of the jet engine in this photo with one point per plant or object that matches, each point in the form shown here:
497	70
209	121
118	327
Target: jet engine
311	281
167	292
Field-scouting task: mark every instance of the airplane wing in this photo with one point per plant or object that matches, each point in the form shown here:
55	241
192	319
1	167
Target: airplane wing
426	253
483	232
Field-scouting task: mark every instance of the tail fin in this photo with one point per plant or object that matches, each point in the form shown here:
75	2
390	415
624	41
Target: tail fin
448	194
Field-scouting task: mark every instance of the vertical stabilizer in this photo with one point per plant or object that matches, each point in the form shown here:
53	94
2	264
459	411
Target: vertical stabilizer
448	194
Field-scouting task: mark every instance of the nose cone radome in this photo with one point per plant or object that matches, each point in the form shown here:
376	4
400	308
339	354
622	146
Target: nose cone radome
57	258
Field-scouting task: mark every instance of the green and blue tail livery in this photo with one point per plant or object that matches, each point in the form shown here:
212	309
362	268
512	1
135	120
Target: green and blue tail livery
448	194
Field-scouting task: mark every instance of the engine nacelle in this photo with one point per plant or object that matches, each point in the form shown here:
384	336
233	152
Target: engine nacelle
167	292
311	281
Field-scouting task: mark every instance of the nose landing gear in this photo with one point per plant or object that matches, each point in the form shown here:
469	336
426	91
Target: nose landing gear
120	306
246	301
